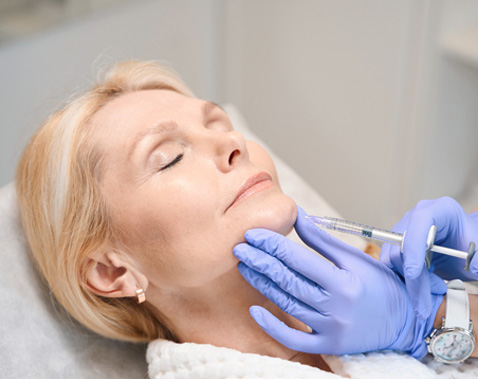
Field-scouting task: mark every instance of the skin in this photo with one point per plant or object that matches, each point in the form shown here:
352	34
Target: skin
173	194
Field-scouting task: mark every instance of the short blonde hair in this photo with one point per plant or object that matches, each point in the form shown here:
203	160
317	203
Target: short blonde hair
66	219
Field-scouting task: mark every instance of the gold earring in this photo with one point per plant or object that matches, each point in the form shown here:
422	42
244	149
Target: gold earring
140	296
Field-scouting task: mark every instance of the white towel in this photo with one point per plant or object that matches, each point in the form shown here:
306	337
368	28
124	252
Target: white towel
188	360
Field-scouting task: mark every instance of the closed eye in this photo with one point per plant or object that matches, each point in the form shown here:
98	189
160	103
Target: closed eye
173	162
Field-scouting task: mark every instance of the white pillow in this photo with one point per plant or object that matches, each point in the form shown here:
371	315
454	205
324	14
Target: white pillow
38	341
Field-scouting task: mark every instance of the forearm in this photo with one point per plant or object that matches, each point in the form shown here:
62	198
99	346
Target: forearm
473	314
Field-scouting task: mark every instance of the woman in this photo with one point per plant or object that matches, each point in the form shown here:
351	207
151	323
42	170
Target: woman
139	186
139	191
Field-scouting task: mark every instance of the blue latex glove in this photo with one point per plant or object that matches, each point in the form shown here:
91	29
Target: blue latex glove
358	305
455	229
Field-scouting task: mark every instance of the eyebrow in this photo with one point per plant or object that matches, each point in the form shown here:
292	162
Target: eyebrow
159	128
168	126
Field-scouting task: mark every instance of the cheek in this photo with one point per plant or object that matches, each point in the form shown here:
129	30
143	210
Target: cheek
191	256
187	245
185	215
189	201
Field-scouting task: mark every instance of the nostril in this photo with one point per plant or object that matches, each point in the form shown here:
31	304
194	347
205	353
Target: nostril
233	156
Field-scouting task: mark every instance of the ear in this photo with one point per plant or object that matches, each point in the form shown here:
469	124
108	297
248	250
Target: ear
111	275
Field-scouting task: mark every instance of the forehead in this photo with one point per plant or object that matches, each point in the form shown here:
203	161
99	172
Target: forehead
123	117
137	106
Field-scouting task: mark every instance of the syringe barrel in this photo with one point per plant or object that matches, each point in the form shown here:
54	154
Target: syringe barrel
387	236
361	230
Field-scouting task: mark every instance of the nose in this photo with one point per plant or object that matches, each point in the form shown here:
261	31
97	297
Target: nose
231	150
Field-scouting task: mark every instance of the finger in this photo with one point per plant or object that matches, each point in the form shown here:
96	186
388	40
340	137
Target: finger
474	265
285	278
391	256
419	290
437	285
283	300
445	213
415	244
341	254
474	261
294	256
450	268
291	338
401	226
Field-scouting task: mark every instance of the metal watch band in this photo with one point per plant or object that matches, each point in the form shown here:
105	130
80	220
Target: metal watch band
457	306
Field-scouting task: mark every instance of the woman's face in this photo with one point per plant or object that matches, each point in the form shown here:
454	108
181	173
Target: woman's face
183	186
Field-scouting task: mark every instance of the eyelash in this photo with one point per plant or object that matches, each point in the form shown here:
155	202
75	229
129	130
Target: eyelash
173	162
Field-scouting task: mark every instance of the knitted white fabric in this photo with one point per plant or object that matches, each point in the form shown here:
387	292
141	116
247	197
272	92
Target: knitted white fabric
171	360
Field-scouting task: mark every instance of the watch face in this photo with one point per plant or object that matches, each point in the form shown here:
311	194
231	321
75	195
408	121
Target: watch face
453	346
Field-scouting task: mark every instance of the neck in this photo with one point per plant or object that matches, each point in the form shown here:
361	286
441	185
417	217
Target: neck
218	314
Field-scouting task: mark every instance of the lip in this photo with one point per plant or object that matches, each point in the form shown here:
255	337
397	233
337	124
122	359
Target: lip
251	186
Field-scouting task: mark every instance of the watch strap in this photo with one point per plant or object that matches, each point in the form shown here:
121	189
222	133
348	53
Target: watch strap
457	306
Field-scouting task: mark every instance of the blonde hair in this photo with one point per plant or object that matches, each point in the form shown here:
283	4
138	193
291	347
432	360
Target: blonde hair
64	215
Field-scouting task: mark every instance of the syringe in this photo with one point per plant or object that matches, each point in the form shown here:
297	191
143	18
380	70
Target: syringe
393	238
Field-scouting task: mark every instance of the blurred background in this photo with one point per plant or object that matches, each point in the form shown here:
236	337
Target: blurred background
374	103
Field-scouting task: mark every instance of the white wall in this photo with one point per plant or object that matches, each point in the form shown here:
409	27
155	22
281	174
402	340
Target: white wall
357	97
452	156
368	100
37	72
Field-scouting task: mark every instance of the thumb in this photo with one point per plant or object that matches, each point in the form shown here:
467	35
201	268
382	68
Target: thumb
341	254
291	338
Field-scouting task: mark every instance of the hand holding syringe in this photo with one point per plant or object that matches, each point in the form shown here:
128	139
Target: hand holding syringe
333	296
393	238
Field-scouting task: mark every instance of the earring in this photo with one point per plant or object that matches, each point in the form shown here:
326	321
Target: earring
140	296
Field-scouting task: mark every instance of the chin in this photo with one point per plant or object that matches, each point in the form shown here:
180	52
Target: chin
284	223
279	216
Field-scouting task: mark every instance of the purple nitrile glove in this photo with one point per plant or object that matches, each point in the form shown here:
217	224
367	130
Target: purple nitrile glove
455	229
358	305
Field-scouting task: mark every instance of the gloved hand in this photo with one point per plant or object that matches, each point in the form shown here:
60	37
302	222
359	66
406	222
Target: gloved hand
455	229
358	305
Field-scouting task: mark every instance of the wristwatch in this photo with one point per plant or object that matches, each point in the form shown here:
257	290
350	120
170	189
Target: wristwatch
454	341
